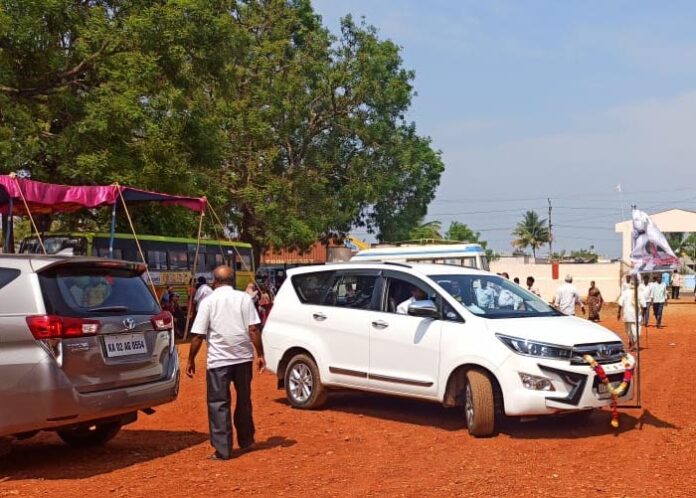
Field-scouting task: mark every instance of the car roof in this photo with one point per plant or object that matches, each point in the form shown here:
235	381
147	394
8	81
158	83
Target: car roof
424	269
38	262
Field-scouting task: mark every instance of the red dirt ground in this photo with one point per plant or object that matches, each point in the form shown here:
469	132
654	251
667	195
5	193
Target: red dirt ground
363	444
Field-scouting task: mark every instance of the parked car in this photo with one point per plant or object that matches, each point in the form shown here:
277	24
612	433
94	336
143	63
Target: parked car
459	336
84	346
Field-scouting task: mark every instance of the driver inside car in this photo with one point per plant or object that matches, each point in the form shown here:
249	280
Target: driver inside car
416	295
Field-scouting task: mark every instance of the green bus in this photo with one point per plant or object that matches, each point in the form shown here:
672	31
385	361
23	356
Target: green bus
169	259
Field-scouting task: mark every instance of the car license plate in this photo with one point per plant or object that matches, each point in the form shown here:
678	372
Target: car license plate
124	344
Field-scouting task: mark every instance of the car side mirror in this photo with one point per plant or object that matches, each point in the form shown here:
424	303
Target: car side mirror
424	309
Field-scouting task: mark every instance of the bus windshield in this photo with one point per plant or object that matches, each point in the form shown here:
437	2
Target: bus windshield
55	244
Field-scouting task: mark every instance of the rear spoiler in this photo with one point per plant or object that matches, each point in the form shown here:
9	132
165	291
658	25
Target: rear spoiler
108	264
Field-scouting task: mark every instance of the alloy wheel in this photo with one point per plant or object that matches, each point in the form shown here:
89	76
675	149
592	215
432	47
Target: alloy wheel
301	382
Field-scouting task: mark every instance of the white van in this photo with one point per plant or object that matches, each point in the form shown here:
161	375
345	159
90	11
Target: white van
468	255
458	336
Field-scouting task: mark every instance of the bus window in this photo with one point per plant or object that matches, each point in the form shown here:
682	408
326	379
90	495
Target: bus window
201	261
104	253
469	262
212	261
157	260
242	260
178	260
55	244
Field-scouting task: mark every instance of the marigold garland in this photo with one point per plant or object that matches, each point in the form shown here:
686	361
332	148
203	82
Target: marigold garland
614	392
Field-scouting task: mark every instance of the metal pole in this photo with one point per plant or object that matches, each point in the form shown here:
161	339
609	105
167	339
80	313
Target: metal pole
636	279
550	233
9	228
113	230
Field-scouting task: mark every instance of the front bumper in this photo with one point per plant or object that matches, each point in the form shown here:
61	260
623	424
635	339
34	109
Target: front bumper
576	386
49	401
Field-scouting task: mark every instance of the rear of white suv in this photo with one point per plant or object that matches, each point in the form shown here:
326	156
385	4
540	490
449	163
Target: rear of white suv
453	335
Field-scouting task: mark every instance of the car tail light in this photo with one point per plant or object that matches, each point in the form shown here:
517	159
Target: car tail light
162	321
60	327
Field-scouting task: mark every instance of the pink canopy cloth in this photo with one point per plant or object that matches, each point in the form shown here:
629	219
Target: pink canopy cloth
49	198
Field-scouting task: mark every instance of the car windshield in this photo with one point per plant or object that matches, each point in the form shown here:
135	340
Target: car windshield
490	296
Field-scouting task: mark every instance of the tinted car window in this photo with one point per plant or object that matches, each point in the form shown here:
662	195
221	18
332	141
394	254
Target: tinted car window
89	291
312	288
352	291
7	275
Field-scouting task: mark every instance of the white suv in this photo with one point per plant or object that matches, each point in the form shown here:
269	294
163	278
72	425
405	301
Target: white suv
459	336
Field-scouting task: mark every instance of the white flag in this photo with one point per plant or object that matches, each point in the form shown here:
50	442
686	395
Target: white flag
651	250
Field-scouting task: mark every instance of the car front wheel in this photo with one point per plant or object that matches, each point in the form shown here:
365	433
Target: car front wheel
90	435
302	383
479	404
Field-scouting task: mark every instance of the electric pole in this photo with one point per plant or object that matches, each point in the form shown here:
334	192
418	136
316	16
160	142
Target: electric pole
550	233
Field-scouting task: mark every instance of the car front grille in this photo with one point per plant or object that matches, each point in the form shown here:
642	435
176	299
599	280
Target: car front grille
603	352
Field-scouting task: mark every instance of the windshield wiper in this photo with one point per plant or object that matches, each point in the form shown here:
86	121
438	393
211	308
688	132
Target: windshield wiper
109	308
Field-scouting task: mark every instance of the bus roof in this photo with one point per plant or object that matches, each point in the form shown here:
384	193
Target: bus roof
153	238
439	250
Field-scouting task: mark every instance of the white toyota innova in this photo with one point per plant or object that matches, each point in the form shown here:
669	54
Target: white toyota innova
454	335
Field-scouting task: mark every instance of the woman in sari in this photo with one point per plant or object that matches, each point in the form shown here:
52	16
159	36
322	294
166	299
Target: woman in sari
594	303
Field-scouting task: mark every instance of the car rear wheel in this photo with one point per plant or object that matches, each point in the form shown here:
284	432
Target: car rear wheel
303	384
90	435
479	404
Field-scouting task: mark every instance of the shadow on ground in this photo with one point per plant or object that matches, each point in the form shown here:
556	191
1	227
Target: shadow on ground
47	457
410	411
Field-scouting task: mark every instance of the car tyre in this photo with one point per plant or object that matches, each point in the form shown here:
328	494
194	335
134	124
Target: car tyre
303	386
479	404
90	435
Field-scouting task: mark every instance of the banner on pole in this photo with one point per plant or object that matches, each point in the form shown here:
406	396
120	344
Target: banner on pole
651	251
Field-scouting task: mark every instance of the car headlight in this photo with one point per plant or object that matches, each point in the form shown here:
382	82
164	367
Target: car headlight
534	348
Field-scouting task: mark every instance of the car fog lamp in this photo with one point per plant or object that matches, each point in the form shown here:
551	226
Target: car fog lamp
535	382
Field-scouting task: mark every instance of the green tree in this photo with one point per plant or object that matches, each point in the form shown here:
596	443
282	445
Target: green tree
462	232
531	232
428	230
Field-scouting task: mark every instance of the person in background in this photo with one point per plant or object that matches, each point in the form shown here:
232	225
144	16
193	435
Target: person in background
627	305
594	302
203	290
658	296
265	303
531	288
173	305
228	320
516	280
676	284
644	295
567	298
505	275
166	295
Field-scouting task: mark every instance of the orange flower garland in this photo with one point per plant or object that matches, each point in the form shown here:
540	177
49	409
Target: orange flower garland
615	392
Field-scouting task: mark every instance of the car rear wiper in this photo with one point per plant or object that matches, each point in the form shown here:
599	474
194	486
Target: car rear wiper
109	308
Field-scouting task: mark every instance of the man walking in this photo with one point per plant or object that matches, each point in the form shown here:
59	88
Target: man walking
228	320
676	284
658	296
567	298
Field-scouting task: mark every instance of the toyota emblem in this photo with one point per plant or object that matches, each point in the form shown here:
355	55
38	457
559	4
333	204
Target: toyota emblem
129	323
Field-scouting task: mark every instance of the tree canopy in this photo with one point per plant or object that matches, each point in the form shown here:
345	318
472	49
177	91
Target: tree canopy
531	232
292	132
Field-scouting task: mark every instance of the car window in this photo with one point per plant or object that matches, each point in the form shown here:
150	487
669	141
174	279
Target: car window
312	288
7	275
400	293
351	290
94	290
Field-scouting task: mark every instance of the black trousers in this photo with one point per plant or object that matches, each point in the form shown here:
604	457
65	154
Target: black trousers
657	310
675	292
219	407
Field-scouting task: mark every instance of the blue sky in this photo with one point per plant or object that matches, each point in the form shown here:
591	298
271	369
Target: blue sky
561	99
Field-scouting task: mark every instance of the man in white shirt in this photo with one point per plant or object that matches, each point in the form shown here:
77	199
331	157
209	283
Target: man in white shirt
658	296
416	295
567	298
228	320
676	284
627	305
203	291
644	290
531	288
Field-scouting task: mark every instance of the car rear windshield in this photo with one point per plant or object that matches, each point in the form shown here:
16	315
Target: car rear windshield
96	291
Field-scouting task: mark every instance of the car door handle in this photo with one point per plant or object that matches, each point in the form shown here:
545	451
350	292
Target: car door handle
380	324
320	317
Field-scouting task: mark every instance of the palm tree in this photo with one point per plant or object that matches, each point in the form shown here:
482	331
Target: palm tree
429	230
531	232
